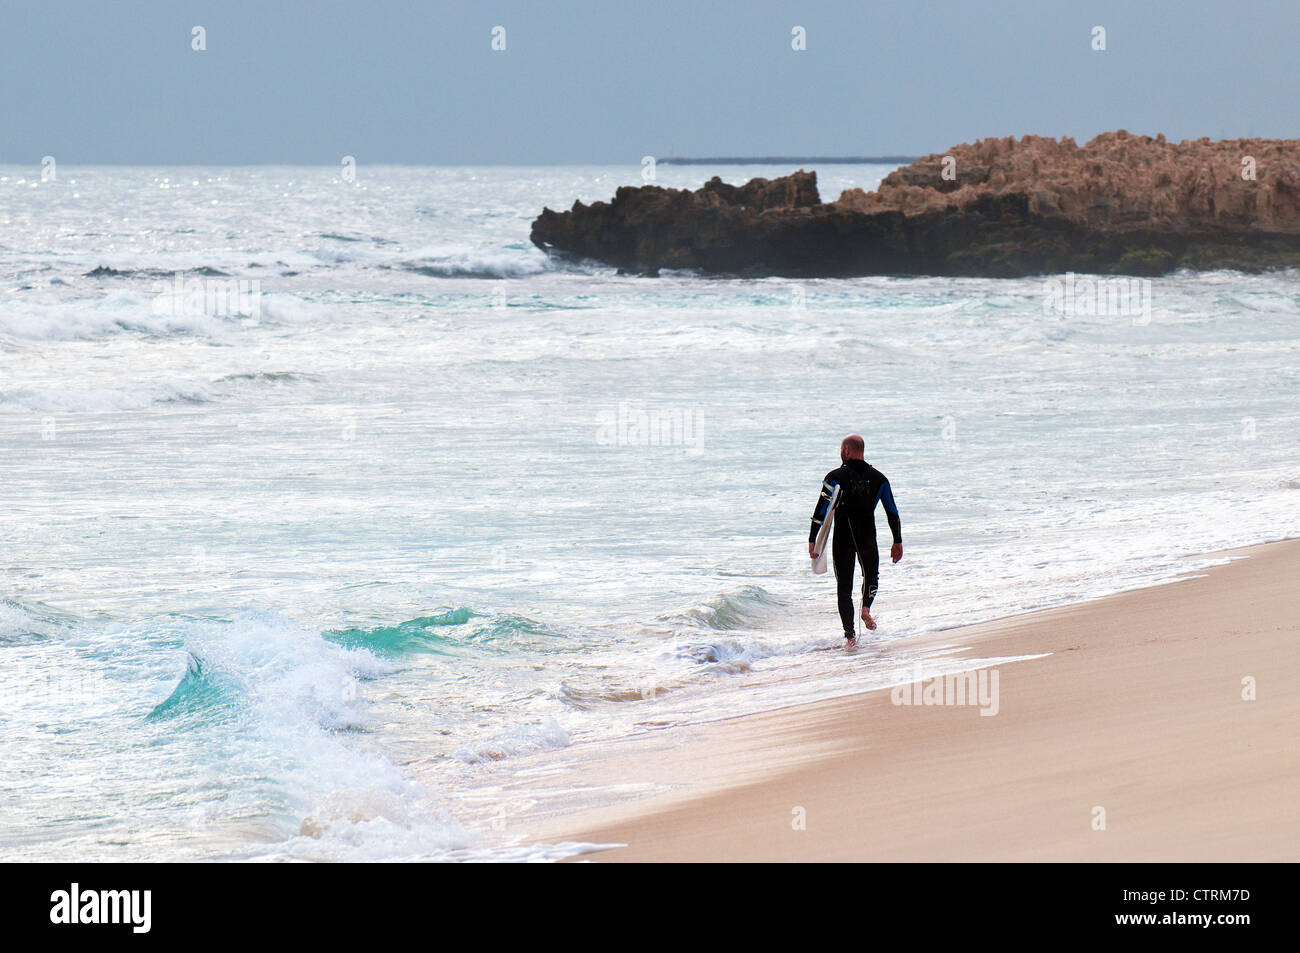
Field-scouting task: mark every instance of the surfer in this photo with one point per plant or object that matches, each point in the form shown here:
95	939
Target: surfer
862	486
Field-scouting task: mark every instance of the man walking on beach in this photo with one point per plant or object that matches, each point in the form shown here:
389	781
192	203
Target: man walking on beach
862	486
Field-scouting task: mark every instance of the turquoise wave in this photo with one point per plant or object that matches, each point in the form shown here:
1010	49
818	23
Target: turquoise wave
424	634
514	629
743	608
197	694
442	634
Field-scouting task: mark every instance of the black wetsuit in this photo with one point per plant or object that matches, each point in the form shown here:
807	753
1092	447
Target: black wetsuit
862	486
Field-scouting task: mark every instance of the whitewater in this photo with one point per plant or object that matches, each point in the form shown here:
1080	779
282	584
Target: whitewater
327	578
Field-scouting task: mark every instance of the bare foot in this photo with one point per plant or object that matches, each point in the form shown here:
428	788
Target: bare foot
869	622
851	642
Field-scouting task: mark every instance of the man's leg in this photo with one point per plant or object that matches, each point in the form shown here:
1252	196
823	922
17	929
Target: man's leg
842	559
869	557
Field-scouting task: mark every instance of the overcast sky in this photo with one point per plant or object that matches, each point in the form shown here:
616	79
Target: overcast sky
607	82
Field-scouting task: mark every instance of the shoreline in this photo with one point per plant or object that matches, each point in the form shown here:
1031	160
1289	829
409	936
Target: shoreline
1121	734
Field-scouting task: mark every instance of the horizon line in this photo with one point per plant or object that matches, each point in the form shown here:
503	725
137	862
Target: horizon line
671	160
785	160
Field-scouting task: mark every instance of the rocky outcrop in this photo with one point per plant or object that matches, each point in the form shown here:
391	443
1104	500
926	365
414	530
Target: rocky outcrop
718	228
1001	207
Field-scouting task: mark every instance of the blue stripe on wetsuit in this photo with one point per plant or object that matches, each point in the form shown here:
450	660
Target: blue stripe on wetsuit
886	495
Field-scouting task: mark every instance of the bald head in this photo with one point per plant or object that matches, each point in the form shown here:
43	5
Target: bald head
852	447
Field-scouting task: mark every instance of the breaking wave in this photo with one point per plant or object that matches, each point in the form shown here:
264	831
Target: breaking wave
73	400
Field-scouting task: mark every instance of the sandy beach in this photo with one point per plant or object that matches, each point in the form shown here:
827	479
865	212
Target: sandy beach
1135	738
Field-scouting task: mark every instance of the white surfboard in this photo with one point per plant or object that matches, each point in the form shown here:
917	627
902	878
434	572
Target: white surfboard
825	511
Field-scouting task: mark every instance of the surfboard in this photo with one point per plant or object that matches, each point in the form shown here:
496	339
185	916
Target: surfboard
825	515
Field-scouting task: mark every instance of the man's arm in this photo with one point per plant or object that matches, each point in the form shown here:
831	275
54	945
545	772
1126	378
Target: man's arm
895	524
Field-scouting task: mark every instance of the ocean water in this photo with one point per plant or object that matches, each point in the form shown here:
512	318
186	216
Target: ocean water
305	572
